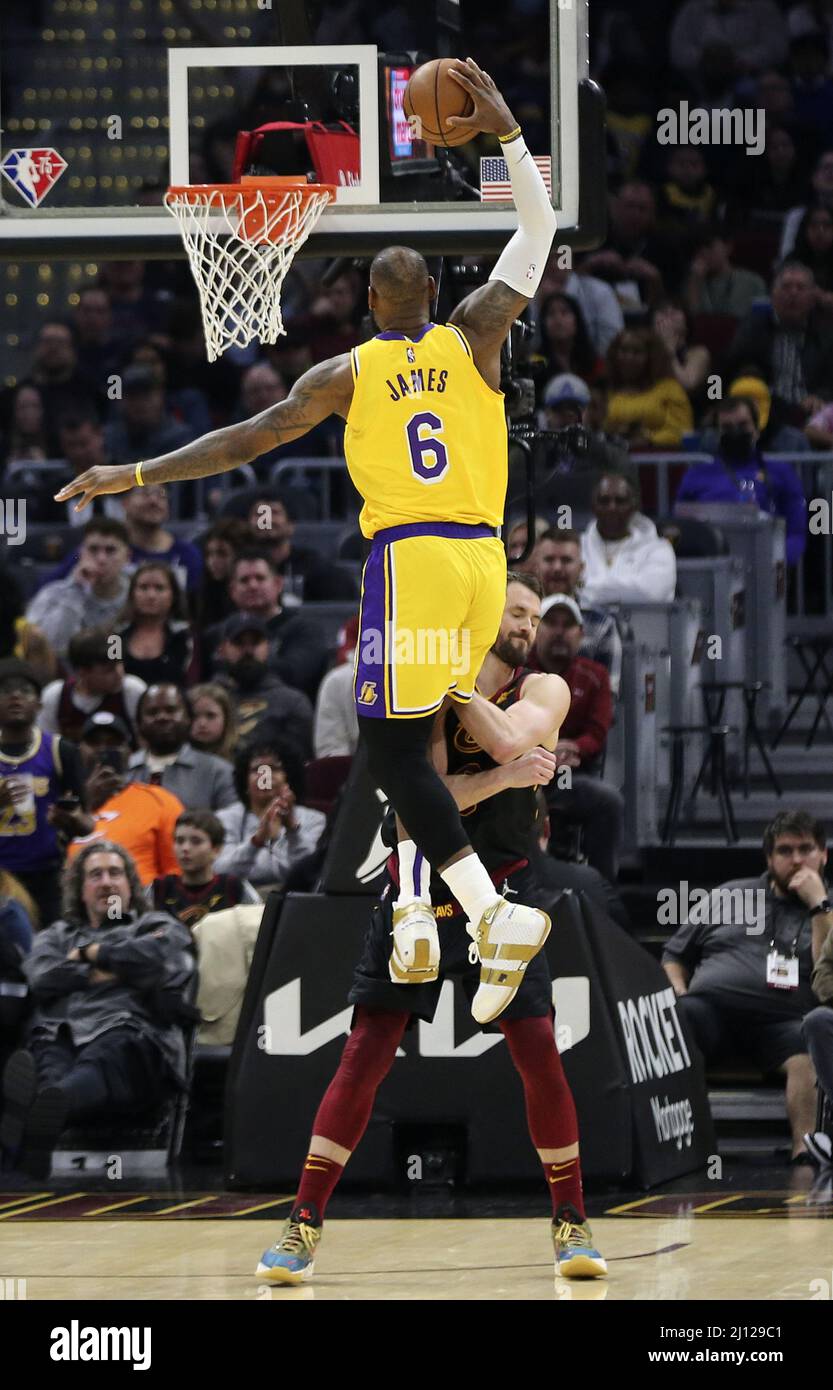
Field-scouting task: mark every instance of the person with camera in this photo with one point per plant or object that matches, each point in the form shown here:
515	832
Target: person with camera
139	817
41	791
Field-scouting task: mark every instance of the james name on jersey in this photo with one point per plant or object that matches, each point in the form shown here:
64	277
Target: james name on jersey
419	383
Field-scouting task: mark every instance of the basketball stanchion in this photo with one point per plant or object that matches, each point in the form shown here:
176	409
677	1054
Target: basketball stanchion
241	239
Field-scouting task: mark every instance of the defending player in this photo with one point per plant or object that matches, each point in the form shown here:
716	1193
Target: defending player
499	804
426	446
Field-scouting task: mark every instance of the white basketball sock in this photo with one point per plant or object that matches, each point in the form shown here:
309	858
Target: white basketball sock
471	886
414	874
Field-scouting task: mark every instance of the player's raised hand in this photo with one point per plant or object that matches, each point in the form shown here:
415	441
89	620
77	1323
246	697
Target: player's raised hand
104	478
491	114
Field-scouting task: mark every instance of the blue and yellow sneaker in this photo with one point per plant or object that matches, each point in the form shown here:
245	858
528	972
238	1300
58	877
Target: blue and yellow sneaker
291	1260
576	1257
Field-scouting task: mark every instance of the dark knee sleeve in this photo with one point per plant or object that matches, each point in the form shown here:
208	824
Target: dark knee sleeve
397	759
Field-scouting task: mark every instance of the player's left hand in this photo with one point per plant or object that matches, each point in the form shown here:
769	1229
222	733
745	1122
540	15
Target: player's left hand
491	114
95	482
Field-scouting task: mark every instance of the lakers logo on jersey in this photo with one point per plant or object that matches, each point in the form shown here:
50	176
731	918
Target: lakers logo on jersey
367	695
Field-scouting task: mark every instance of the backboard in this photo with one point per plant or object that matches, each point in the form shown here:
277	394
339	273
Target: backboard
135	94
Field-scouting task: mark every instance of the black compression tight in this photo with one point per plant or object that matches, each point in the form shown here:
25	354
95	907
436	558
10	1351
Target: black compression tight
397	756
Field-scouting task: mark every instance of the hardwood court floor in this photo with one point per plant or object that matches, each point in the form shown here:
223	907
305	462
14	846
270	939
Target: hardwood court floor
659	1258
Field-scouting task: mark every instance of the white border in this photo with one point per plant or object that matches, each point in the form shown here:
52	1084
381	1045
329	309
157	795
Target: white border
361	55
358	209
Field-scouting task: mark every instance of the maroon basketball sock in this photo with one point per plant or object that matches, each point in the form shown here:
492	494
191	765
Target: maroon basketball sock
550	1111
348	1102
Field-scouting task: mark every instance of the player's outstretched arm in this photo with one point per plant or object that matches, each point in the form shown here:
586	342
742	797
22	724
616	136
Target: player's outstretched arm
536	718
487	314
326	389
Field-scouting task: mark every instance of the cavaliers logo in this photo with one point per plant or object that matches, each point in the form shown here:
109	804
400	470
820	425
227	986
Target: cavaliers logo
464	743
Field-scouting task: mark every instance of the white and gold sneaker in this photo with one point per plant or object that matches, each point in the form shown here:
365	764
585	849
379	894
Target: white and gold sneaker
508	937
415	956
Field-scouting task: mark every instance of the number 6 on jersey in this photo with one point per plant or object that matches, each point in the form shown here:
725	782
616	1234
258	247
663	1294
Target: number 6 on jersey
429	457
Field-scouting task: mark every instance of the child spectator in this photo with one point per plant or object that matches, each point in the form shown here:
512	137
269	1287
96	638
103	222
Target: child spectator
214	725
197	890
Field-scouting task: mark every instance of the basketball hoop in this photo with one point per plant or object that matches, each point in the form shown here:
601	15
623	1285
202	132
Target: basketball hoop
241	239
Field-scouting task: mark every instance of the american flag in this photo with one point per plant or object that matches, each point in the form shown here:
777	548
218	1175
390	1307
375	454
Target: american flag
494	177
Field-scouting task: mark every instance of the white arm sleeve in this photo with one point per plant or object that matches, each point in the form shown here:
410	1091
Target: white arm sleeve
521	264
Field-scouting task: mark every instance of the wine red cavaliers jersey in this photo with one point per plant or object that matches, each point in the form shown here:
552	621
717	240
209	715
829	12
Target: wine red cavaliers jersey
500	827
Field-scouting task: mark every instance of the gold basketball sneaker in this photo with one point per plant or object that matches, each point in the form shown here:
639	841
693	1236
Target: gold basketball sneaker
415	955
508	937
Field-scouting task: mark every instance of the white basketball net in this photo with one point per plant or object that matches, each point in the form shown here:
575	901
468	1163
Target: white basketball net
238	269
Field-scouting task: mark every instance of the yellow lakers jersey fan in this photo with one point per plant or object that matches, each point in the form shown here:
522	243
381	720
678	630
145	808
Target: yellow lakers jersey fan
426	436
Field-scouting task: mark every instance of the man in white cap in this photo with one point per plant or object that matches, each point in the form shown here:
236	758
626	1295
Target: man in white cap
598	807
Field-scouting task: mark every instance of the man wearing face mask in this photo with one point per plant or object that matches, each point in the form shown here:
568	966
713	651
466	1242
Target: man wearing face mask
262	701
738	473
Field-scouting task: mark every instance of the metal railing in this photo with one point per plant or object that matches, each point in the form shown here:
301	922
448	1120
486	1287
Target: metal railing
815	471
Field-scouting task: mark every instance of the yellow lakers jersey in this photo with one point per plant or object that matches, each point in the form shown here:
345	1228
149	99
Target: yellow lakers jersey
426	437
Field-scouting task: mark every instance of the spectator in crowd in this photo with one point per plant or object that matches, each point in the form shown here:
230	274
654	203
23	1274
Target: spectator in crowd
100	352
741	965
738	473
336	729
197	889
778	180
751	33
625	561
814	248
41	791
642	265
18	636
687	198
646	404
297	649
82	444
26	437
143	428
58	377
184	403
518	534
106	980
818	1030
714	285
221	543
146	509
93	594
156	638
18	919
588	801
600	310
214	726
262	385
783	439
790	346
567	473
267	832
557	561
137	310
821	196
164	718
136	815
259	696
98	682
305	572
689	362
564	342
332	325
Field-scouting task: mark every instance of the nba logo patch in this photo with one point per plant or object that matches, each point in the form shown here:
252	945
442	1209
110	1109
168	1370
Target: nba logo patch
33	172
367	694
411	355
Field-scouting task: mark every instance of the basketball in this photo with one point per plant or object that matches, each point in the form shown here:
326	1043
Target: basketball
433	96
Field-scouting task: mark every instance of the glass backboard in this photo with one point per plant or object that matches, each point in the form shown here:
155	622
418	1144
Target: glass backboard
133	95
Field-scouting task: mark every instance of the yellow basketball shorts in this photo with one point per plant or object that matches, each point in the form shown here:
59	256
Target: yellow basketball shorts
433	595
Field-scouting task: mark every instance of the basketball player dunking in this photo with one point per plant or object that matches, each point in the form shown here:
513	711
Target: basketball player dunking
426	446
499	805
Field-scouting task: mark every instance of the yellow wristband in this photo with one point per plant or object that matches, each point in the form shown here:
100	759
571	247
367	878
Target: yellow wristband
140	482
513	135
